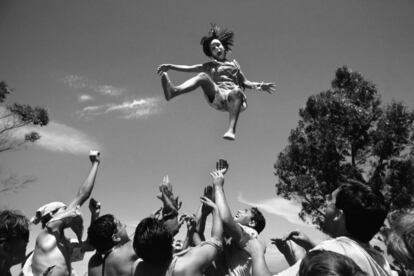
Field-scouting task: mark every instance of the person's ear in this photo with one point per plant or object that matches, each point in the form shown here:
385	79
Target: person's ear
252	223
116	238
339	215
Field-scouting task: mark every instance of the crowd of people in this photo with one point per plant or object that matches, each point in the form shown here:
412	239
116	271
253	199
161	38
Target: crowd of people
354	214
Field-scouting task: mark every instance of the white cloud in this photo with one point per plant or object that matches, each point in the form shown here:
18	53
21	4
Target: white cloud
108	90
279	206
79	82
132	109
84	98
61	138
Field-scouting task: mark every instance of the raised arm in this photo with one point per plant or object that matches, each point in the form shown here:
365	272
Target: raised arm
85	189
231	227
200	257
171	205
95	209
197	68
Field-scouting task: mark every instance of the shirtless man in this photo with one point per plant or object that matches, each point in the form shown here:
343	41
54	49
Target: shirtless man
238	229
54	253
114	253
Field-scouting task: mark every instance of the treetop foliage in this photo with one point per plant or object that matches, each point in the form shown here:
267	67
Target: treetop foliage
347	133
16	116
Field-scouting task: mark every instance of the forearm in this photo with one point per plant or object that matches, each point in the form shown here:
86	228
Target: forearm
217	228
222	205
85	189
192	239
200	222
252	84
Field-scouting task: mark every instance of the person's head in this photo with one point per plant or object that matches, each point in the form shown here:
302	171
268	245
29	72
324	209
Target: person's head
153	242
217	43
400	239
328	263
251	217
106	232
46	212
354	209
14	236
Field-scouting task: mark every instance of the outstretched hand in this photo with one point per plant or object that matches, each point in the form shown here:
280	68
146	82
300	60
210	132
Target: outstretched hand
300	239
218	177
222	165
167	196
189	220
269	87
94	207
208	202
163	68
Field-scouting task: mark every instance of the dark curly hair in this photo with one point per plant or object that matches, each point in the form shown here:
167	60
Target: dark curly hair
100	233
13	226
259	219
153	242
225	36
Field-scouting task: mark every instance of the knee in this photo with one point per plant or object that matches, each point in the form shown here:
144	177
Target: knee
203	76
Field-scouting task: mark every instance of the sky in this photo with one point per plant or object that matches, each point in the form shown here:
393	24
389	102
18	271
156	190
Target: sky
92	64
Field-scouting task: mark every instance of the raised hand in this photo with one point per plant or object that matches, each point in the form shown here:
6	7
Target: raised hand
167	196
218	177
94	156
163	68
94	208
208	202
222	166
189	220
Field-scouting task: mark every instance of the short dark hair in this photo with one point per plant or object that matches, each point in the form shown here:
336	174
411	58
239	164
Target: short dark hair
225	36
259	219
322	263
100	233
13	226
153	242
365	210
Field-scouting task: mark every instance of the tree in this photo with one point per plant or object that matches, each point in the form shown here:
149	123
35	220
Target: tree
17	116
346	133
12	118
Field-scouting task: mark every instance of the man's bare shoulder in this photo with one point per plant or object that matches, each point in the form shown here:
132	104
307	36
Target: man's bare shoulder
46	241
125	252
